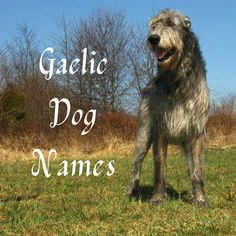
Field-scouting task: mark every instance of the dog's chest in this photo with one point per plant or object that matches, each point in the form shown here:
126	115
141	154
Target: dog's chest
175	117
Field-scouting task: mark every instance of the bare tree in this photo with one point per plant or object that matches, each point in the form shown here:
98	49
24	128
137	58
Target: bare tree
130	64
4	71
21	71
107	34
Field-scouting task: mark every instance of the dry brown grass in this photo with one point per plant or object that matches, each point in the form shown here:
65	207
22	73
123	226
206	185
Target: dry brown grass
221	129
221	125
113	134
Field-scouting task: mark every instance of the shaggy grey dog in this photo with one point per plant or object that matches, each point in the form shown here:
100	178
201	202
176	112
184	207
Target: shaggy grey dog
174	106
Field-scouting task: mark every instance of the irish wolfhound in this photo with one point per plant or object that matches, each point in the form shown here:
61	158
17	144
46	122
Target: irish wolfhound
174	106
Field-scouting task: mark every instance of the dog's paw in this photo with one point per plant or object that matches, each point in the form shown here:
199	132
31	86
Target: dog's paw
157	200
200	202
134	193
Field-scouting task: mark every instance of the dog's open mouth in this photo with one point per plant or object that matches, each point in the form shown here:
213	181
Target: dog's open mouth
164	54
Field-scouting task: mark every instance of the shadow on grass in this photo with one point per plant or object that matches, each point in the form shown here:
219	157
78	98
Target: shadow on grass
147	190
18	198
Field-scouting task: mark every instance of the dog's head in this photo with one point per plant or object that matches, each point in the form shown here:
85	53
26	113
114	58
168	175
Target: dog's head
166	37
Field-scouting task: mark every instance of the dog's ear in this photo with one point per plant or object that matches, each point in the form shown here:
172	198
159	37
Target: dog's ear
187	22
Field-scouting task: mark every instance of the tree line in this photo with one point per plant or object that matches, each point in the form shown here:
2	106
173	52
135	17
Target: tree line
25	94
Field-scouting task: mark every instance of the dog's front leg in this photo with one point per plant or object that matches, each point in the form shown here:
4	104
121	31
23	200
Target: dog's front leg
194	151
143	143
160	150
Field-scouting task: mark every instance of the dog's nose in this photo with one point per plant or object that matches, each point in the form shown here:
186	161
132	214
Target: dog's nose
154	39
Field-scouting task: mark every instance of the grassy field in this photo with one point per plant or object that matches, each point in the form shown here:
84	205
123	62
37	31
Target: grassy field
91	205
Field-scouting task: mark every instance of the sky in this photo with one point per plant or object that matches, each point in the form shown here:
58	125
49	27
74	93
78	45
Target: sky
212	21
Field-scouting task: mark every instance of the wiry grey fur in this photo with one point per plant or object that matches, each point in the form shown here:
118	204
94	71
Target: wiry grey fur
174	106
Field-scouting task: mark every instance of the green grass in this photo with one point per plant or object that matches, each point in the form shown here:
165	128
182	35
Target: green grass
91	205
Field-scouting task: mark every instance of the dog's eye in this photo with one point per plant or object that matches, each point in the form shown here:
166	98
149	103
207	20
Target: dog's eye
169	22
153	27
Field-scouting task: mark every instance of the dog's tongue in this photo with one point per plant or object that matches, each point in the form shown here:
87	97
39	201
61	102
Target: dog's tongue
160	54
